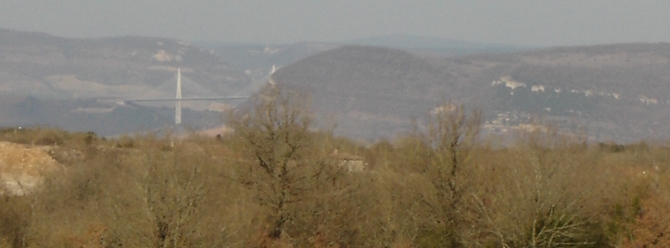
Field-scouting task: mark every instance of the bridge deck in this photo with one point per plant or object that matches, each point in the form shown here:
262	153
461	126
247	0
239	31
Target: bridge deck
185	99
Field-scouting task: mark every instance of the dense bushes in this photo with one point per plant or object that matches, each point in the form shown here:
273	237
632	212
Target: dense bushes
202	192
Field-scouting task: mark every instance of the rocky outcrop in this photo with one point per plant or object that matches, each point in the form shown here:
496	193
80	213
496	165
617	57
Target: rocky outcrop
22	168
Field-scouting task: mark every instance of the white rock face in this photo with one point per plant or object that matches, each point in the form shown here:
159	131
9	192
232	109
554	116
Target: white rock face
587	93
509	82
270	50
443	109
163	56
648	100
22	168
19	184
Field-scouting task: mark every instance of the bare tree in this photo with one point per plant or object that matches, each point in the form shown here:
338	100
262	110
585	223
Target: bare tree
541	195
448	140
274	127
175	190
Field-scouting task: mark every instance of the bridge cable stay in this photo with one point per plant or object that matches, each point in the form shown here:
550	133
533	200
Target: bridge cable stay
178	99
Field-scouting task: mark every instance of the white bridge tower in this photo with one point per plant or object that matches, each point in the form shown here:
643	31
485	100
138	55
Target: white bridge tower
177	107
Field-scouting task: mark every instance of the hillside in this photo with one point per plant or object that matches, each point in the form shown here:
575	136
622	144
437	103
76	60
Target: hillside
72	83
36	63
614	92
22	168
258	59
435	45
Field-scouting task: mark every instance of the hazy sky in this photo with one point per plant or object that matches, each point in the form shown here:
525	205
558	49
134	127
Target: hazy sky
523	22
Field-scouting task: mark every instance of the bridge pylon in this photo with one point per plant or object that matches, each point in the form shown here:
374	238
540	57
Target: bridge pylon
177	107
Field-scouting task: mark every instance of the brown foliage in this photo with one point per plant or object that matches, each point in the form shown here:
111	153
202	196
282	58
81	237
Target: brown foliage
92	237
274	183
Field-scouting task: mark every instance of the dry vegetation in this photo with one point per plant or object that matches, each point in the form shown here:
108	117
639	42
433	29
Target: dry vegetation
274	183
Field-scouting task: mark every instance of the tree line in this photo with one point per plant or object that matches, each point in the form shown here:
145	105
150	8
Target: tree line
274	182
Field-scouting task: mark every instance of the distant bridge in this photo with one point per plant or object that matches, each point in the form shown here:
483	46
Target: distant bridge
185	99
178	99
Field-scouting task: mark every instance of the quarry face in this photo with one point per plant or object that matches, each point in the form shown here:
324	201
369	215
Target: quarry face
22	167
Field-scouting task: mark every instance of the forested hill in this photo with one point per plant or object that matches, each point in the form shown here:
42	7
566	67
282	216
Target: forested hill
618	92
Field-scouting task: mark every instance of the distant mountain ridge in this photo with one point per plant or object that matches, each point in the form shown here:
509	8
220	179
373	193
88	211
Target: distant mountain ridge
60	81
435	46
257	59
615	92
34	58
415	41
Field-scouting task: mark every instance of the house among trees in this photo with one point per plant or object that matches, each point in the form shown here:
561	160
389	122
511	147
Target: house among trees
350	162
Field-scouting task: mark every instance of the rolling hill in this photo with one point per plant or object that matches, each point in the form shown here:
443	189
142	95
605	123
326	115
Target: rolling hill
72	83
258	59
435	45
613	92
55	67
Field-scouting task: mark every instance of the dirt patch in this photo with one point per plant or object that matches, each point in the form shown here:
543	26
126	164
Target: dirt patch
22	167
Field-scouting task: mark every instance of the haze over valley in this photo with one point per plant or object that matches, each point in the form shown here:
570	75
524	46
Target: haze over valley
369	91
373	123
